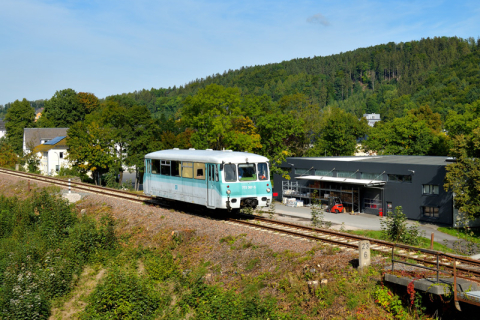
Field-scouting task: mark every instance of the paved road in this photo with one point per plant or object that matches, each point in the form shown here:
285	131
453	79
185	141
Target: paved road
361	221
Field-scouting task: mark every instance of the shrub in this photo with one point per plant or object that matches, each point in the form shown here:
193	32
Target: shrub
394	228
122	295
161	267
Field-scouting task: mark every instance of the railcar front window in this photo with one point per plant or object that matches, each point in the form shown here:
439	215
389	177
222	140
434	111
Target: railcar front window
262	171
247	172
230	172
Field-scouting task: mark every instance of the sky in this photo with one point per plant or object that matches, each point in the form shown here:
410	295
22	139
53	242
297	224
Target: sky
116	46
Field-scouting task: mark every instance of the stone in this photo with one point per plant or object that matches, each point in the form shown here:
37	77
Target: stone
364	254
72	197
83	212
183	235
208	278
323	282
313	285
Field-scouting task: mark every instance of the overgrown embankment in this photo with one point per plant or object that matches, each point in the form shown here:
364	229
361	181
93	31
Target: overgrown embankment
119	261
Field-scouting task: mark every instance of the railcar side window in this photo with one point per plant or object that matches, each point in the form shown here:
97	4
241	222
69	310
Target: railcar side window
262	171
246	172
230	172
165	169
175	167
216	172
187	170
199	170
155	166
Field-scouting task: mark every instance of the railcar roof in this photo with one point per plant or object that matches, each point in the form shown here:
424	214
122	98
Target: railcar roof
207	156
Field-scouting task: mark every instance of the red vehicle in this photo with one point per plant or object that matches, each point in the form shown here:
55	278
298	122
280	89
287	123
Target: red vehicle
334	205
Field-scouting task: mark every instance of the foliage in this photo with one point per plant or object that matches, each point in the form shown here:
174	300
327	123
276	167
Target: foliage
8	157
63	109
394	228
122	295
90	147
463	176
390	302
19	116
43	246
317	214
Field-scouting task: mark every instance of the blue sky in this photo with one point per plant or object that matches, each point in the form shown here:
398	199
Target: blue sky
111	47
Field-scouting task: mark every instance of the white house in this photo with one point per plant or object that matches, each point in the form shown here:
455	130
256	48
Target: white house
372	118
52	155
33	137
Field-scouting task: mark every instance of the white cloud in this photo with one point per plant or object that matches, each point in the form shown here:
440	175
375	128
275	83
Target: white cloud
318	19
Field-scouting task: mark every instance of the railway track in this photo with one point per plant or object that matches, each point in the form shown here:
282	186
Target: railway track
350	242
79	186
330	237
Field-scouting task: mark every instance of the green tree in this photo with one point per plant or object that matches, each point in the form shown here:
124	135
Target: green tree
402	136
91	147
64	109
19	116
463	176
8	157
339	132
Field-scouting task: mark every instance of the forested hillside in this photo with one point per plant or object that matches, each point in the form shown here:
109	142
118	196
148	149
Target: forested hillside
426	91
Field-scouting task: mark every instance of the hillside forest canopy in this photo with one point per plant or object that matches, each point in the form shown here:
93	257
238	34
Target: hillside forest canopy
427	93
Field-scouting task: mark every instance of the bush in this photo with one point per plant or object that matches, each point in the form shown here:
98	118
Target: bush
122	295
161	267
394	228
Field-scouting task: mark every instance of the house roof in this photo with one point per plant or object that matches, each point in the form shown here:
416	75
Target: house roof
32	137
55	142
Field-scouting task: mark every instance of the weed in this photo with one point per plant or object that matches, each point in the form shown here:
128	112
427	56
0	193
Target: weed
252	264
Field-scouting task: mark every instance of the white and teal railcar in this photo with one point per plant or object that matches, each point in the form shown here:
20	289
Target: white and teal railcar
215	179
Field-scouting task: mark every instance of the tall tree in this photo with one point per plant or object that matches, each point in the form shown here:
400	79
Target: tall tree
64	109
19	116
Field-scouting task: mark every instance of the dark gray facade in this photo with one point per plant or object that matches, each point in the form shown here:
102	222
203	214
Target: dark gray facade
381	184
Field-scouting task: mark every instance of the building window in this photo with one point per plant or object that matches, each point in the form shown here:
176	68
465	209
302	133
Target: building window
400	178
372	176
45	154
347	174
57	168
431	212
61	155
328	173
430	189
302	171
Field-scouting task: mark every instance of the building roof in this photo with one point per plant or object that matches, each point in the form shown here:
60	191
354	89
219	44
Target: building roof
55	142
207	156
419	160
32	137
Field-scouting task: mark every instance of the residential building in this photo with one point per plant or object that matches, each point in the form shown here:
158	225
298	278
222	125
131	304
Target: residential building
3	131
372	118
52	155
33	137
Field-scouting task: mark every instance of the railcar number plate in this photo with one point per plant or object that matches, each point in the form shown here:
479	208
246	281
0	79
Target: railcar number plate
248	187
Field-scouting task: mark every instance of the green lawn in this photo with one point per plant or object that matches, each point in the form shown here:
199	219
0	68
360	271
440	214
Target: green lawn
470	235
424	243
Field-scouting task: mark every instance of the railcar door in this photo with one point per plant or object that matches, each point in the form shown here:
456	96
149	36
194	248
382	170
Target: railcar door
211	193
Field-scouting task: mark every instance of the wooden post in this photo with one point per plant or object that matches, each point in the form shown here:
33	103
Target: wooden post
431	241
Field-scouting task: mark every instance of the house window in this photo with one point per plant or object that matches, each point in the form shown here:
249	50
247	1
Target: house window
399	178
45	154
57	168
430	189
61	155
431	212
372	176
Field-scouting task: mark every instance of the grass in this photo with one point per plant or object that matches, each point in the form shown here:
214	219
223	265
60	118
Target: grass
470	235
424	243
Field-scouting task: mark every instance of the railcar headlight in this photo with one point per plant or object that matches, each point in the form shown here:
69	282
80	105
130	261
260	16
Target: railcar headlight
268	190
228	191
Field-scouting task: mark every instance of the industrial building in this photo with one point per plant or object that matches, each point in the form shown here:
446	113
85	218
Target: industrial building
373	185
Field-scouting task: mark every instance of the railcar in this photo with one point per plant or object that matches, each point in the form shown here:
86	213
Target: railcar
215	179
